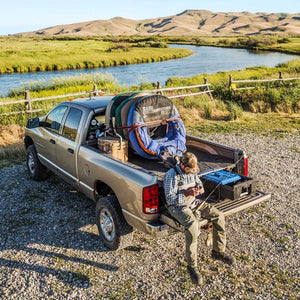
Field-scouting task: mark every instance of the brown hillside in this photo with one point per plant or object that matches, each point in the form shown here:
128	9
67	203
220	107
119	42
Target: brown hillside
189	22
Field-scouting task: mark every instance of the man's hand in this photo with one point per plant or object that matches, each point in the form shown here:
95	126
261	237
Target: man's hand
200	189
194	191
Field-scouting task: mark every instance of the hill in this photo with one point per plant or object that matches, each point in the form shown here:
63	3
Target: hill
188	23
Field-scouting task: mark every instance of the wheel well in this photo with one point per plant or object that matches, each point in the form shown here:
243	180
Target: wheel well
28	141
103	189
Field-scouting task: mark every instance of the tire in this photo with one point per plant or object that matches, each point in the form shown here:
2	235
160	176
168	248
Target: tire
115	232
35	169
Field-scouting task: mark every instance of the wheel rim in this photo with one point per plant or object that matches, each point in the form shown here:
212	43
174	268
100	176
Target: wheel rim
31	163
107	224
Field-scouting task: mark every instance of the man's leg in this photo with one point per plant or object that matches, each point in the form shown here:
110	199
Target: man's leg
217	218
186	218
219	235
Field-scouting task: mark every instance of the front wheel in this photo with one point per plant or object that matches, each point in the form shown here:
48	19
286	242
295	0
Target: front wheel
35	169
115	232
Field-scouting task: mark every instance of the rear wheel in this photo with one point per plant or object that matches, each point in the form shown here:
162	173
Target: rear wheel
35	169
115	232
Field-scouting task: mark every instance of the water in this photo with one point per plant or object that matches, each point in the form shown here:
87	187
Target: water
204	60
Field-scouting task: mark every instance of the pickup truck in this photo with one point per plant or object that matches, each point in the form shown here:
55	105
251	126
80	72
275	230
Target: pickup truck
128	194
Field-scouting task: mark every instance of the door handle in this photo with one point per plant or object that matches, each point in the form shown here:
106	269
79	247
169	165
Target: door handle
52	141
71	150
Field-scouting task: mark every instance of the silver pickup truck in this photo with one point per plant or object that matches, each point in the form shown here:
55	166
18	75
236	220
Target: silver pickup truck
129	194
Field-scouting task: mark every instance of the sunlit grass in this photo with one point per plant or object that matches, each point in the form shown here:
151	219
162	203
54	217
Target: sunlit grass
11	143
37	54
275	124
284	44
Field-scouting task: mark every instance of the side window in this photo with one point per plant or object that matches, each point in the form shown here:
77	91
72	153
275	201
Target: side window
54	119
72	123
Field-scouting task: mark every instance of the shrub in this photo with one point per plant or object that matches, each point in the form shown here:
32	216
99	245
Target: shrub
208	110
273	97
120	47
235	111
221	105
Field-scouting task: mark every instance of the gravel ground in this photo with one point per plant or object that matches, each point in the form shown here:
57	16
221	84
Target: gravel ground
49	248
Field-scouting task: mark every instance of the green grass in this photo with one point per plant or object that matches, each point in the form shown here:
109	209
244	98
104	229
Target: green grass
286	44
265	97
257	43
20	54
37	54
275	124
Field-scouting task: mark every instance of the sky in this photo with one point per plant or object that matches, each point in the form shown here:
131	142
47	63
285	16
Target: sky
30	15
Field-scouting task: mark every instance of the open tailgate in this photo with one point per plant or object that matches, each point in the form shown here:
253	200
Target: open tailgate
227	206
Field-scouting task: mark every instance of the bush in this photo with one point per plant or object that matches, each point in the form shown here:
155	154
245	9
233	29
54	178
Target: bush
235	111
273	97
120	47
208	110
221	105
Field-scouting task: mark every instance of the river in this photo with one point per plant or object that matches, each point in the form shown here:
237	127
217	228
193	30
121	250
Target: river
204	60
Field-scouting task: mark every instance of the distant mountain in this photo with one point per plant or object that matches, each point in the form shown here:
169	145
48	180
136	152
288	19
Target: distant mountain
189	23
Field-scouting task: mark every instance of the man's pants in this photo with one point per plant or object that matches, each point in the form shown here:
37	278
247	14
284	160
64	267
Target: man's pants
186	217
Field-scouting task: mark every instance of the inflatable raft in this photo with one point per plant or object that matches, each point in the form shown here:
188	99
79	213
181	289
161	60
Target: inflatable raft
151	123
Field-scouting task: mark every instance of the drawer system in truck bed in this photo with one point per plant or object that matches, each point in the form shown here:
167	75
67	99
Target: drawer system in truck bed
239	186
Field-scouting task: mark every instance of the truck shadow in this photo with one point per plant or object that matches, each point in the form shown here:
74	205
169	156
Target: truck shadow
56	236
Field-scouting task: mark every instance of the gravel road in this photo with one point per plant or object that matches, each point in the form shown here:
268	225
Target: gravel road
49	248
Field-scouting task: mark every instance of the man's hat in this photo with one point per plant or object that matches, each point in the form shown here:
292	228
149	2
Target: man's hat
189	160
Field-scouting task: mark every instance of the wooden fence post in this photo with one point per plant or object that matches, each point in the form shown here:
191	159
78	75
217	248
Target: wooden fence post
95	89
280	77
158	88
27	103
208	89
230	80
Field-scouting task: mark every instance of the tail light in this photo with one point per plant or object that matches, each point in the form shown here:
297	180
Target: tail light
246	166
150	199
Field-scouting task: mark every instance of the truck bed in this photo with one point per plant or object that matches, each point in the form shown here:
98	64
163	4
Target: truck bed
206	162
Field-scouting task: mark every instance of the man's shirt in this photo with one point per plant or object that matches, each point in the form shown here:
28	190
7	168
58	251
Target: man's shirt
172	180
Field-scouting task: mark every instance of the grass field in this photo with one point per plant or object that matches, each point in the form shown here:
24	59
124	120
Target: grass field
272	108
20	54
37	54
286	44
257	43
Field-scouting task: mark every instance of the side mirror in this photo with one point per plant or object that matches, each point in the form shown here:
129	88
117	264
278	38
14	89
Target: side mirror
33	123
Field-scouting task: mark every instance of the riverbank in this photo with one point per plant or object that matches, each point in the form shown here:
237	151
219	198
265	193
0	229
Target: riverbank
19	55
283	44
263	98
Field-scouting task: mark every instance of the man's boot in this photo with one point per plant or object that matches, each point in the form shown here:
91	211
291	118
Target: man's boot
226	258
195	275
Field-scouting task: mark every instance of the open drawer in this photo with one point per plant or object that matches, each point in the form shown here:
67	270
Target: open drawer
233	190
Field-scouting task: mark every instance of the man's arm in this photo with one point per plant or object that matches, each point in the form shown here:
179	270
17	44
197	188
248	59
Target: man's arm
173	196
197	190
